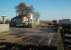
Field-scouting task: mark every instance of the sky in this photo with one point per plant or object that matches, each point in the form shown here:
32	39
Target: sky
48	9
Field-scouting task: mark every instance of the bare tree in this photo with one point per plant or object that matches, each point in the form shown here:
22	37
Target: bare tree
3	19
7	21
36	14
23	9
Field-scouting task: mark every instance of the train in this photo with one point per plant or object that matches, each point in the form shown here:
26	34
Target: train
17	22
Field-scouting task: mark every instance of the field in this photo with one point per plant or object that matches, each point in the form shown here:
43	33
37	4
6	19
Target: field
35	36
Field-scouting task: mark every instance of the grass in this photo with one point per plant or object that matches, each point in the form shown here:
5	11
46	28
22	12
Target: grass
60	42
4	32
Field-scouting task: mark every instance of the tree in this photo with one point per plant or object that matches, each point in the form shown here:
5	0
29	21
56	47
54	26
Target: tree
3	19
7	21
36	15
23	9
